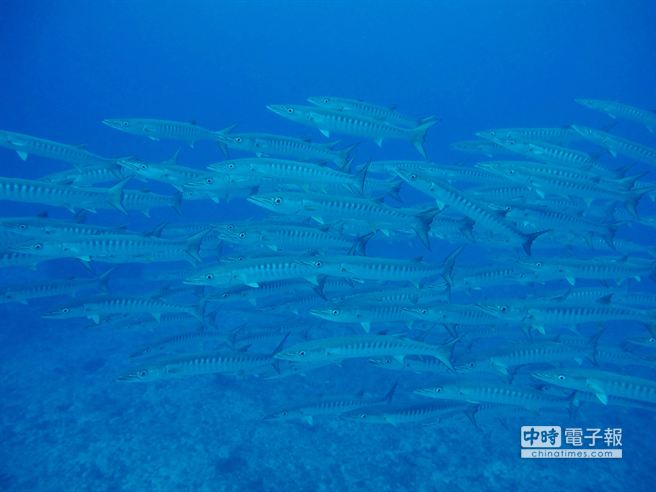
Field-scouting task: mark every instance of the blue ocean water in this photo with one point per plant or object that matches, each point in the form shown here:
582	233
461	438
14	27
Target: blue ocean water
65	421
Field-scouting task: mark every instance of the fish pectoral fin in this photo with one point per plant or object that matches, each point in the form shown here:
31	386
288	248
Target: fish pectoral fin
309	419
379	141
253	284
95	318
22	155
366	325
325	133
399	358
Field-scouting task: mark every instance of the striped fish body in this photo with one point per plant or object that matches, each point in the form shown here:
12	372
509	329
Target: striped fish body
100	308
340	348
616	109
89	175
328	121
263	144
407	414
166	129
25	145
375	111
603	384
70	197
618	145
196	365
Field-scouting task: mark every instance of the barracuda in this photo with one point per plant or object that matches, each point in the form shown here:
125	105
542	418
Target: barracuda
191	342
603	384
562	135
486	147
366	346
610	268
384	269
407	414
616	109
435	171
507	361
262	170
117	248
333	406
452	314
589	190
89	175
143	201
364	314
168	172
493	393
618	145
541	315
25	145
70	286
295	238
265	144
551	154
196	365
339	208
157	129
376	111
481	215
251	272
103	307
70	197
328	121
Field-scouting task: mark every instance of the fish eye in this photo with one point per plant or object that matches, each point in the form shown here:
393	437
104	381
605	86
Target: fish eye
277	200
335	312
538	264
561	377
125	123
242	235
209	276
22	226
423	311
504	309
471	365
230	227
438	389
652	340
290	110
413	177
142	373
231	166
301	353
238	139
37	246
143	166
318	264
284	413
363	415
511	171
65	310
209	181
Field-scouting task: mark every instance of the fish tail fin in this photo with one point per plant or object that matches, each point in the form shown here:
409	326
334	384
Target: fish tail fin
449	264
467	229
177	202
360	177
390	393
359	247
103	280
529	238
344	157
422	225
636	195
192	247
281	344
395	190
115	195
220	140
447	355
419	136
